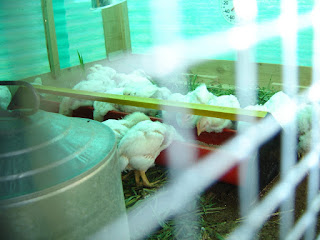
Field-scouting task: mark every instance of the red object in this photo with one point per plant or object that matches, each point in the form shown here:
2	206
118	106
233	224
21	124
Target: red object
208	138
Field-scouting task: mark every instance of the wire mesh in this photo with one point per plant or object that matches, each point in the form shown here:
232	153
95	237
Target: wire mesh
172	53
173	198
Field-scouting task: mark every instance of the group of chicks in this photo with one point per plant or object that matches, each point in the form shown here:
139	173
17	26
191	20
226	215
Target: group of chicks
277	106
106	80
137	83
139	139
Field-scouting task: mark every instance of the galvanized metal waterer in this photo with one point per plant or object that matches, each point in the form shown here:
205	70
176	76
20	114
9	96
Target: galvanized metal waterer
59	176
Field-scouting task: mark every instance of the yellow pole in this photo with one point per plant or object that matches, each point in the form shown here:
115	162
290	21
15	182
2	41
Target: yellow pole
152	103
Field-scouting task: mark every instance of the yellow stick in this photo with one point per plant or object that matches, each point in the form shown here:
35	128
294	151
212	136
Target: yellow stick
152	103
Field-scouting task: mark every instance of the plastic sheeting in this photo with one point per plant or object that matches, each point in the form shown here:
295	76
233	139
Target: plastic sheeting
79	28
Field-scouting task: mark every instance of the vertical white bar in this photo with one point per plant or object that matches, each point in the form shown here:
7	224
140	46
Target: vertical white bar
249	178
246	87
288	29
165	22
313	181
166	30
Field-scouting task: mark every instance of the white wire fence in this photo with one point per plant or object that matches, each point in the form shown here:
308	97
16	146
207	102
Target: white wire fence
173	54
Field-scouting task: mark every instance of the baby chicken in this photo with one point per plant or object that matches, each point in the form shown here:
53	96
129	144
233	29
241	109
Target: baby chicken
141	145
212	124
121	127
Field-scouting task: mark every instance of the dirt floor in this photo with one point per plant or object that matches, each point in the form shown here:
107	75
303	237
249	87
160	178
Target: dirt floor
218	224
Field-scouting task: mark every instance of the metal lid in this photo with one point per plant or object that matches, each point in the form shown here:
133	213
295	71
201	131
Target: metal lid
46	149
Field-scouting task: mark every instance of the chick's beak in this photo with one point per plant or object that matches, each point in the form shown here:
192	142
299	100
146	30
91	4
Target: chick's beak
199	128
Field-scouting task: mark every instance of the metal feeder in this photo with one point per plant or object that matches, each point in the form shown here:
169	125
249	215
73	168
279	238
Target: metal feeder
59	176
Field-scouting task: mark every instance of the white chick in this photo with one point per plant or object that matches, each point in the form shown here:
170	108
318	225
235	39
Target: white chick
304	118
199	95
5	97
131	80
102	108
212	124
98	80
121	127
177	97
243	125
69	104
172	116
142	73
257	107
139	89
275	106
141	145
162	93
100	85
304	144
136	84
99	72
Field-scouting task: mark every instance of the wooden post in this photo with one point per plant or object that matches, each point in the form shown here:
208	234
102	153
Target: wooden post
51	40
116	28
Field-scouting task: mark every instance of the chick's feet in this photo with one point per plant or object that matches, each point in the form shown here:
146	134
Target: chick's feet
145	182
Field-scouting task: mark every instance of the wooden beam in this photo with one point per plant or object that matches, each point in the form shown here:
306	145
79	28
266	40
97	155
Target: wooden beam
215	73
151	103
51	40
219	72
281	84
116	28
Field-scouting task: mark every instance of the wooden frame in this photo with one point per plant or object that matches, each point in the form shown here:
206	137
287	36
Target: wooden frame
117	39
203	70
116	28
215	73
51	39
222	72
115	25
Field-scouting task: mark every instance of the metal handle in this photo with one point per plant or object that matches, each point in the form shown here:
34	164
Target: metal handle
21	112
